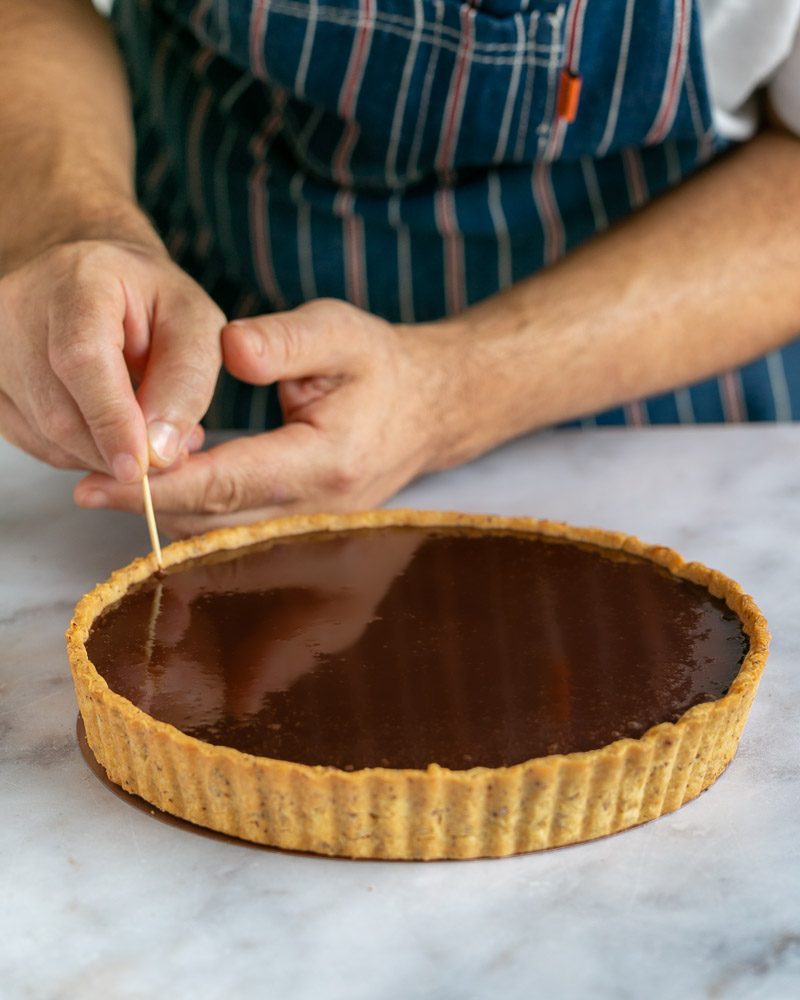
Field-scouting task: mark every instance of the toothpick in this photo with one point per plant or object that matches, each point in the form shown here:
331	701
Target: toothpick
151	522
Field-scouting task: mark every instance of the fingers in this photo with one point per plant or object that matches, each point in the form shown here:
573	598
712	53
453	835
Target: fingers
85	351
322	338
267	471
77	324
181	371
196	439
297	394
177	526
343	376
59	422
17	430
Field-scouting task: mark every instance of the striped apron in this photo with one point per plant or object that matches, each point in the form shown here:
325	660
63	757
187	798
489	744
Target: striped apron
416	156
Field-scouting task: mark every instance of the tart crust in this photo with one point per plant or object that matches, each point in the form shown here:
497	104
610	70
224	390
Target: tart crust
414	814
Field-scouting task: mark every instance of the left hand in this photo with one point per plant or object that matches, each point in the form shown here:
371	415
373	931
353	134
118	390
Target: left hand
365	406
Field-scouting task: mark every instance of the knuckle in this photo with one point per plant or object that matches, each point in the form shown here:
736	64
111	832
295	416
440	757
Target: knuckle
58	425
71	358
84	259
209	316
192	382
176	527
82	296
346	476
287	346
108	425
328	308
221	492
79	270
331	316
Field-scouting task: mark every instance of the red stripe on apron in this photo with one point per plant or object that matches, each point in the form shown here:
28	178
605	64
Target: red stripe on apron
199	13
355	264
635	177
344	203
733	404
258	30
455	99
677	61
574	34
444	206
548	211
259	204
636	414
447	222
194	143
348	97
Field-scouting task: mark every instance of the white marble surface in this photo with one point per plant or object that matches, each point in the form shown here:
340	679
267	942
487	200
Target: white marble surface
100	900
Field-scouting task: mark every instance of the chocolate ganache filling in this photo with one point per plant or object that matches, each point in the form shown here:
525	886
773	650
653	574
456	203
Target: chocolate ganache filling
406	646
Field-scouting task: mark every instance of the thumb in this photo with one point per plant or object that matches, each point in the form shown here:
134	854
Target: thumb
322	338
181	372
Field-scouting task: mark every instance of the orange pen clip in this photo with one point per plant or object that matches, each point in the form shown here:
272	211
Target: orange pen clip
569	95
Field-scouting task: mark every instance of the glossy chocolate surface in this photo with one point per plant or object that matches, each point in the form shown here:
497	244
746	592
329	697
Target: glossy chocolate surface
407	646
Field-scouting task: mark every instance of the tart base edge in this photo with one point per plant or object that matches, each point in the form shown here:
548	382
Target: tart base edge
437	813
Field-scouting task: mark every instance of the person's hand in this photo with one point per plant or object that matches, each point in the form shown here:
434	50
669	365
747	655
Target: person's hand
366	410
78	323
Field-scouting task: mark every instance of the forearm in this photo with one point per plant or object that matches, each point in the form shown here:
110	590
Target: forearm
66	142
703	279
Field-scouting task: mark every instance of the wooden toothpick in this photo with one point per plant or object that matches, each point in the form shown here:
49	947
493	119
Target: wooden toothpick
151	522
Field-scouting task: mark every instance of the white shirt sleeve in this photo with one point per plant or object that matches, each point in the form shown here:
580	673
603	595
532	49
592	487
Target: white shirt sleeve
749	45
784	89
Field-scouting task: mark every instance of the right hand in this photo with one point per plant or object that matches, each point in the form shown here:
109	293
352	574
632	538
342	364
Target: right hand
80	322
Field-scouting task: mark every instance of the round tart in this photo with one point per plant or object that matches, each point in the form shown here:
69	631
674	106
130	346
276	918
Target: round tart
401	684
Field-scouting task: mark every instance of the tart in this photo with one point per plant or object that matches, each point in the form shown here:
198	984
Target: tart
406	684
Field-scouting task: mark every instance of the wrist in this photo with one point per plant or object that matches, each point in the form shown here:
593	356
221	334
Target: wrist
444	359
497	370
105	216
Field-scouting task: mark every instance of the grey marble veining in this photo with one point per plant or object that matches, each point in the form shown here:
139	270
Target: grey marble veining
102	900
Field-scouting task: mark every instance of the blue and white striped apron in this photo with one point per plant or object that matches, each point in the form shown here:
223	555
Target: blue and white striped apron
413	157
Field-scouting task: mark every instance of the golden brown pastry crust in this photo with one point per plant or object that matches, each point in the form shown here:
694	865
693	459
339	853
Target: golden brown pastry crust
436	813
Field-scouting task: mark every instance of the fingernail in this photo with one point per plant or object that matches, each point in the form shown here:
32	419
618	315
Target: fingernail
93	498
165	441
125	468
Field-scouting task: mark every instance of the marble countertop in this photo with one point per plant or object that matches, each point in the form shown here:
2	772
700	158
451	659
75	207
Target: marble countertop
102	900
